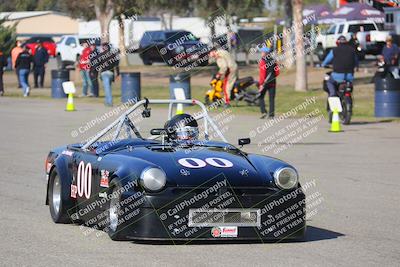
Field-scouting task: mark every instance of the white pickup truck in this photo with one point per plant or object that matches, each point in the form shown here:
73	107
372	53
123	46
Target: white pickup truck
368	33
69	48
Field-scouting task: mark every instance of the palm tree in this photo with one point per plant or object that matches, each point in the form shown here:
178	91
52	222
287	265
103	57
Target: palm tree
301	65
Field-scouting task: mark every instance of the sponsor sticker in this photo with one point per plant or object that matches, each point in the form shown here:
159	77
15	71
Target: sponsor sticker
74	190
104	178
224	231
103	194
67	153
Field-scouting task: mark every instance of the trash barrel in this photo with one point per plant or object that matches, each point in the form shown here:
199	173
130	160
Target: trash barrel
57	78
387	96
130	87
180	80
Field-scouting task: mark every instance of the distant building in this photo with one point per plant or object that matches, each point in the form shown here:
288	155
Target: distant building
41	23
392	19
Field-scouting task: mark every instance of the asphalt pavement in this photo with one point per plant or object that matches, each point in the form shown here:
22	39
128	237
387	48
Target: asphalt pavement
355	175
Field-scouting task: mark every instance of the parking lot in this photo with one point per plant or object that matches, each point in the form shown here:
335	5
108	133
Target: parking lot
355	174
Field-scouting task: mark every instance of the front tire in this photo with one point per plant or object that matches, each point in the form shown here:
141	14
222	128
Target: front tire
114	213
58	207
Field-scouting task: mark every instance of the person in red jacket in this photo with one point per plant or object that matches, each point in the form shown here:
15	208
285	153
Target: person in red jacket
269	70
84	66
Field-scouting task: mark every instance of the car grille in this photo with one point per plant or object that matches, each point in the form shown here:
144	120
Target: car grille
226	217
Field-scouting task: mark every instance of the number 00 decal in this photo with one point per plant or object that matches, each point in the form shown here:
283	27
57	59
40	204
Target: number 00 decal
196	163
84	179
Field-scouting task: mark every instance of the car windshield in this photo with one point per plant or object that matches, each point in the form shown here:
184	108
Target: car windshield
182	36
138	122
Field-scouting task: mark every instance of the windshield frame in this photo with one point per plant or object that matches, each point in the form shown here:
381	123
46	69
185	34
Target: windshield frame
143	103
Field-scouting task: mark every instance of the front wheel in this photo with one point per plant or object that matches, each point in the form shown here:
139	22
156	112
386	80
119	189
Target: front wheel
115	216
58	207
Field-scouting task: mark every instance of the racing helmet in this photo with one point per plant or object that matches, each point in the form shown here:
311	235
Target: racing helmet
182	127
341	40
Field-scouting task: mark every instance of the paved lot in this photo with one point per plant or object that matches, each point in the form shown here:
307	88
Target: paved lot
356	173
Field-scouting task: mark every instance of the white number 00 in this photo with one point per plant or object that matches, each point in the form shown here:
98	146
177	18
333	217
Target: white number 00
216	162
84	179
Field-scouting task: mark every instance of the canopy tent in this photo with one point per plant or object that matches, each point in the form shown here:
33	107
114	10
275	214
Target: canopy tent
312	14
354	11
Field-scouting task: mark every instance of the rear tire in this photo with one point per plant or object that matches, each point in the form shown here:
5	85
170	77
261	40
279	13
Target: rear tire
345	116
58	207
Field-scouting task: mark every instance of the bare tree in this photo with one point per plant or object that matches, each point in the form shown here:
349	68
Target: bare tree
105	11
301	65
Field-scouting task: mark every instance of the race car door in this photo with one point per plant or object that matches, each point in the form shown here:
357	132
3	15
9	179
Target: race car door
86	180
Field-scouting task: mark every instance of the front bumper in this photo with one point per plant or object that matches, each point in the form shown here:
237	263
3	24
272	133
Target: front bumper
165	216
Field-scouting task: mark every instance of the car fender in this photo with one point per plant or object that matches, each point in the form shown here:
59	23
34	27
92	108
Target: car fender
267	165
125	170
60	165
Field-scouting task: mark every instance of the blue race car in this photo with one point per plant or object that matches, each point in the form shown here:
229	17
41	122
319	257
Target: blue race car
179	183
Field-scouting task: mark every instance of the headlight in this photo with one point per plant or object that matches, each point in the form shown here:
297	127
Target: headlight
286	178
153	179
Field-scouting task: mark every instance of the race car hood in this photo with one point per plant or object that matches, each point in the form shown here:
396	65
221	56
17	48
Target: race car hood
202	166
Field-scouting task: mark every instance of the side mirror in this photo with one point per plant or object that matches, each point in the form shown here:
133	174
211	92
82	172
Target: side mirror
244	141
73	45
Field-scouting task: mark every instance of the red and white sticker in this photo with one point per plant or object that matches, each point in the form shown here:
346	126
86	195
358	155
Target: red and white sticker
74	190
104	178
224	231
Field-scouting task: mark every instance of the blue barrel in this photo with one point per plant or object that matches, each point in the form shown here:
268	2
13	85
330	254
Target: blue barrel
130	87
57	78
180	80
387	97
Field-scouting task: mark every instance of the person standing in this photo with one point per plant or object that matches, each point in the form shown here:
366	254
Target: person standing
269	70
84	69
3	64
40	59
227	71
93	73
14	54
108	67
390	53
24	63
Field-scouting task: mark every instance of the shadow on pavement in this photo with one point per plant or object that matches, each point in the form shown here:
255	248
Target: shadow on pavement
370	122
316	234
312	234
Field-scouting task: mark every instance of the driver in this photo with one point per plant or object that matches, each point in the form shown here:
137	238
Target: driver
182	127
344	60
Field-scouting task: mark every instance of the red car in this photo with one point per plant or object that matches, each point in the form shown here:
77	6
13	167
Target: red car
47	42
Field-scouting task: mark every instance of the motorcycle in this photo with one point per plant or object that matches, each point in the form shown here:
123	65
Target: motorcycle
344	91
239	92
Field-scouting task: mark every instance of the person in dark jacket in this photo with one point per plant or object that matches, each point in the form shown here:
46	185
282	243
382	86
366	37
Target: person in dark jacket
40	59
3	64
93	74
24	64
108	67
269	70
344	60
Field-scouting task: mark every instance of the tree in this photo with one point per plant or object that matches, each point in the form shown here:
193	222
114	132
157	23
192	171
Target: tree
287	34
7	37
102	10
301	65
